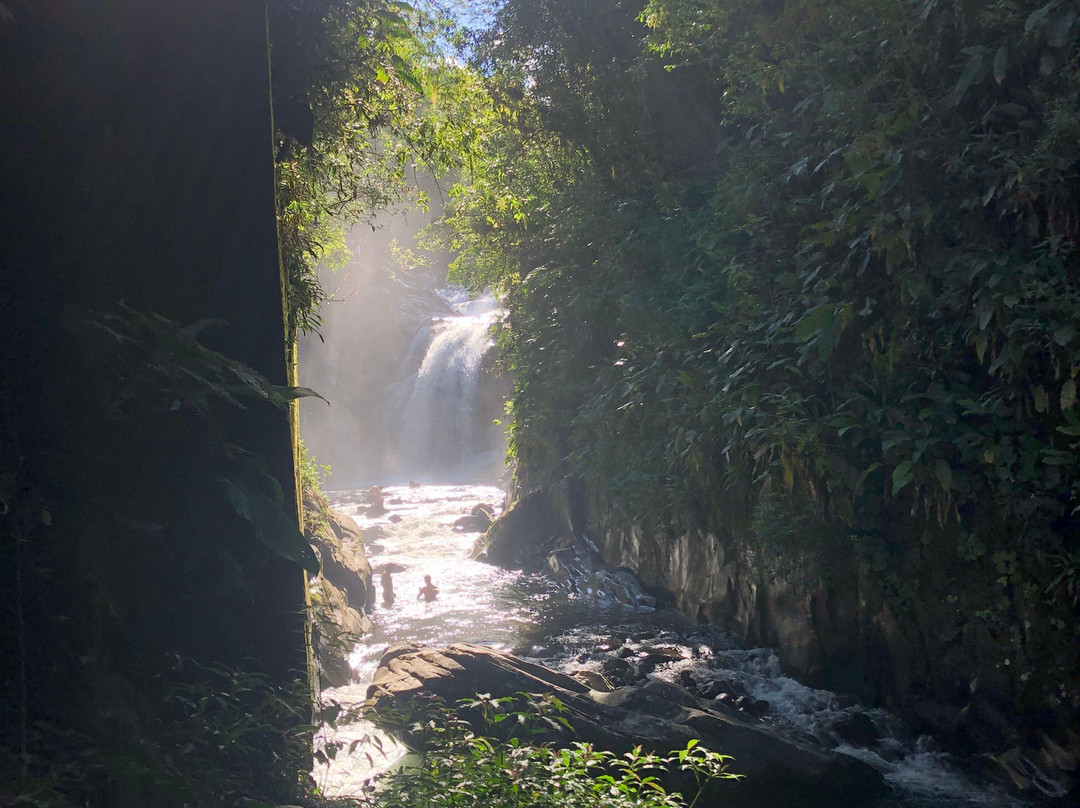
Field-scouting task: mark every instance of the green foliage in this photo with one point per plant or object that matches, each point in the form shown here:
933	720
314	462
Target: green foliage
316	506
806	247
134	558
459	765
790	538
171	735
363	101
155	368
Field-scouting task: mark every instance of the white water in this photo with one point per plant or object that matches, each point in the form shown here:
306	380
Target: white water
438	414
529	616
431	425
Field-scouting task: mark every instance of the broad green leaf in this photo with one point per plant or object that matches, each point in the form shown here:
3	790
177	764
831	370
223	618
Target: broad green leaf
1068	394
1042	400
1036	15
943	473
901	476
271	524
1060	27
290	393
966	79
999	64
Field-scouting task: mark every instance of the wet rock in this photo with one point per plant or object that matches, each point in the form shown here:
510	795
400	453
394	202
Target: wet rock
621	676
391	566
375	502
544	651
755	707
342	559
715	687
593	680
337	625
616	666
663	653
478	520
655	656
394	518
535	535
857	729
660	716
518	538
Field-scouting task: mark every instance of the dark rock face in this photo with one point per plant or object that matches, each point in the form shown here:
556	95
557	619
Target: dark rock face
658	715
338	624
341	552
538	534
519	537
339	593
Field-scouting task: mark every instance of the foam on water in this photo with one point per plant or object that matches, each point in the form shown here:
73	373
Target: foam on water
530	616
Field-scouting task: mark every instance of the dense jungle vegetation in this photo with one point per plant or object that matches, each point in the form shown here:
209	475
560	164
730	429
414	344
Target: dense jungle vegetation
814	252
152	623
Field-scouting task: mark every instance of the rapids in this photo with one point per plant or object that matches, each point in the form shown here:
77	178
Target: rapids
530	616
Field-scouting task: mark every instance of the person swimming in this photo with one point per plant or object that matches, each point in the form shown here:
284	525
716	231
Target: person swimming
428	591
387	583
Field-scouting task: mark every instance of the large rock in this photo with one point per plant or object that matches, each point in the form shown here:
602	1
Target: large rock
539	534
337	625
341	551
660	716
519	537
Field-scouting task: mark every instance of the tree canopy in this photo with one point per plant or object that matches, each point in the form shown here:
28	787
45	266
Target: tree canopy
810	249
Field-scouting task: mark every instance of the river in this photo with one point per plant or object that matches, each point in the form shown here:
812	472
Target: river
530	616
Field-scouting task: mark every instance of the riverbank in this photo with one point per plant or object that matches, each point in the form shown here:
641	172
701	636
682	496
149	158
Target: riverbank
544	623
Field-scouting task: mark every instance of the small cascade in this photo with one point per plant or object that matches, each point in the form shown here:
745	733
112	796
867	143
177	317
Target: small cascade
445	420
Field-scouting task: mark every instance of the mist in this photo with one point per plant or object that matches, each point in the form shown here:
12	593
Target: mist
407	365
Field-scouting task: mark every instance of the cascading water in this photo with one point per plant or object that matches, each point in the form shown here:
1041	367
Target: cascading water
443	428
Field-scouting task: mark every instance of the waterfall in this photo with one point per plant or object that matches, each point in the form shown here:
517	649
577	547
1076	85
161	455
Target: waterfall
445	430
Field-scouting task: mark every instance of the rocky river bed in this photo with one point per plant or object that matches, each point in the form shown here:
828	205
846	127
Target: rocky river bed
631	669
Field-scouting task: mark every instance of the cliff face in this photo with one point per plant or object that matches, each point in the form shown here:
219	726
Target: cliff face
871	630
136	168
812	626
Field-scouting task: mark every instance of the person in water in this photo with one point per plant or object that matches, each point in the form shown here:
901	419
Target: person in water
387	583
428	591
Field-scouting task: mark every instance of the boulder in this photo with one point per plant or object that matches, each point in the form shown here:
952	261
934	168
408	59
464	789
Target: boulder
534	534
337	625
519	537
341	552
478	520
660	716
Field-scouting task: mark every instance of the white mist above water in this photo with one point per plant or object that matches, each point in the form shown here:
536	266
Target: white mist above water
443	432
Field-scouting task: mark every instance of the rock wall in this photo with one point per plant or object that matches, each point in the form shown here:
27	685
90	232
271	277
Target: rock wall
131	172
711	578
830	616
341	591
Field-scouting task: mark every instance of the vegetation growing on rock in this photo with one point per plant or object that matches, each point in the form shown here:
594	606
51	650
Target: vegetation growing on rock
811	250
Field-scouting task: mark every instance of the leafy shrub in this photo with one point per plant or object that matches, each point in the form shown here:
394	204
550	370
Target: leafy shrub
459	765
